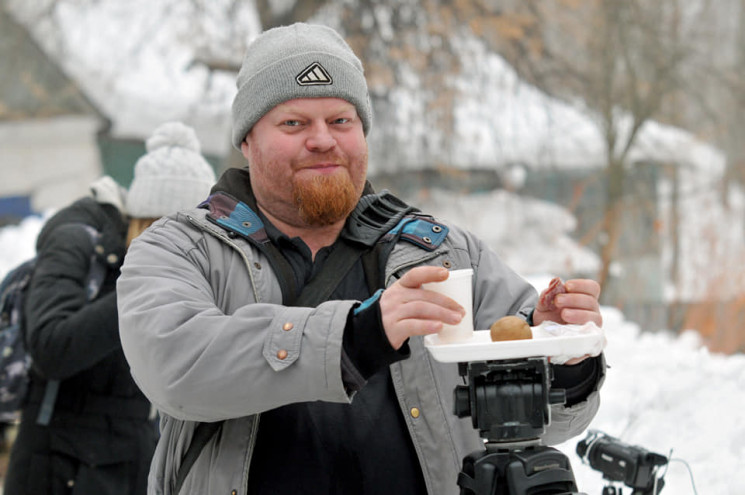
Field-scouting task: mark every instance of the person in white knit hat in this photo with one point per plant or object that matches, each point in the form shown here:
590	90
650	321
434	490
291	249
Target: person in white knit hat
279	327
172	176
96	436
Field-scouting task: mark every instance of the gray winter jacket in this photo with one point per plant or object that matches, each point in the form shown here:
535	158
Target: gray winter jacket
202	323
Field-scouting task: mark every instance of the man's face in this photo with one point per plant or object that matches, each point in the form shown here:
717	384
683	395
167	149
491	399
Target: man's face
308	160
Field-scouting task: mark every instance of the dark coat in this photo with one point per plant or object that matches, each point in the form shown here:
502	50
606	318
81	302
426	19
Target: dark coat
100	439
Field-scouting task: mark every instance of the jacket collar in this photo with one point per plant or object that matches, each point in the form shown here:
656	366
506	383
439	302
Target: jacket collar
377	216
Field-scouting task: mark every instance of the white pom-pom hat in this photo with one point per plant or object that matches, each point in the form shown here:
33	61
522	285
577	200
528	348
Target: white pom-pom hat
172	176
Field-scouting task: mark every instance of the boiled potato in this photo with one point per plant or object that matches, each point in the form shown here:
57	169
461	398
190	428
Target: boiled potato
510	328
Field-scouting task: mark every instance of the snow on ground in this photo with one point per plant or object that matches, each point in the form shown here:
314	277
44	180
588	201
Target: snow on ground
17	242
662	392
665	393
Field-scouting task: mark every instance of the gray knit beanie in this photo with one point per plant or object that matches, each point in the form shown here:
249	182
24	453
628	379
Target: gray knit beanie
297	61
172	176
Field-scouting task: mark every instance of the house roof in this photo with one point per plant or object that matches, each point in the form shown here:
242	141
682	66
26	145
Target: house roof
32	85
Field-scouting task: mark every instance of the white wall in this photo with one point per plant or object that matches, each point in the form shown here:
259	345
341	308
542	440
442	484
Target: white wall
51	160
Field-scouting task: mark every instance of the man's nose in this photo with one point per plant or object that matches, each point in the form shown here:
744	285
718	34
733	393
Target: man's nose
320	138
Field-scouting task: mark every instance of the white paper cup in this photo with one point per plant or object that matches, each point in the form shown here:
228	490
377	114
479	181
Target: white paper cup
457	287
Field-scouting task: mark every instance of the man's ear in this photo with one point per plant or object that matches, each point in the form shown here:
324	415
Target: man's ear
244	148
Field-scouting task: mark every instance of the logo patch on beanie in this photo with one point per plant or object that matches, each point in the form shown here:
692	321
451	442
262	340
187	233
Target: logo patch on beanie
314	75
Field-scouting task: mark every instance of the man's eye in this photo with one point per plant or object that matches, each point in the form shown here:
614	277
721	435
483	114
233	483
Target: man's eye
292	123
341	120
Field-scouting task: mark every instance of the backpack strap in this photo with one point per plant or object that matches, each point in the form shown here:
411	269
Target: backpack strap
202	434
93	282
51	389
240	219
340	261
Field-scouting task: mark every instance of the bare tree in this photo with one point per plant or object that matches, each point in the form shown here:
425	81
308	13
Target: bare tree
624	58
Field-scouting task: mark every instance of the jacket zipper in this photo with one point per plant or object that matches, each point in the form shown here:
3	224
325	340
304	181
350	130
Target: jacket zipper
398	386
251	444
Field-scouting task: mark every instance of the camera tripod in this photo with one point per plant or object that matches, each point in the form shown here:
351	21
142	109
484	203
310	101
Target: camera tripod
509	403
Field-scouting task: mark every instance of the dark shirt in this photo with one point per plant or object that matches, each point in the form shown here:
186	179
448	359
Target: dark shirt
334	448
364	447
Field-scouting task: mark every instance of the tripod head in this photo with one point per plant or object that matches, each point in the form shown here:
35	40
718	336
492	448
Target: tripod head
509	403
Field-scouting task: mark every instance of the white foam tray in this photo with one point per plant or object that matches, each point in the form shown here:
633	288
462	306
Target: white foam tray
481	348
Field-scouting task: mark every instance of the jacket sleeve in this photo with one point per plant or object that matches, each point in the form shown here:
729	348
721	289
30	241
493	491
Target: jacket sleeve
198	357
65	333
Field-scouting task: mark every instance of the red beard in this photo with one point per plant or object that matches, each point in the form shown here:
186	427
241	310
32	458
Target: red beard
325	199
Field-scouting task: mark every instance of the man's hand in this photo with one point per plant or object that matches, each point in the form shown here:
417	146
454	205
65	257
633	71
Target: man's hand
406	309
577	305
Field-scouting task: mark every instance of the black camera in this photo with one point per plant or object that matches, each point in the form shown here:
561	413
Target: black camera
636	467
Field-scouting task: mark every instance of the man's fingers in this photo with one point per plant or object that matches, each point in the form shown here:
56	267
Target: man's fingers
422	327
415	277
411	296
583	286
577	305
577	301
580	317
408	309
410	288
398	312
428	310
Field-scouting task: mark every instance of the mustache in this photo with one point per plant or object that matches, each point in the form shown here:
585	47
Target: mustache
332	158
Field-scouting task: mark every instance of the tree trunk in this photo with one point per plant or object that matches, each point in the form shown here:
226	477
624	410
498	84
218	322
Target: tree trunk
613	218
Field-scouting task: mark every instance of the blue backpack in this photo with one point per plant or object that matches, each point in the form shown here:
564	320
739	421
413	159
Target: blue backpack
15	362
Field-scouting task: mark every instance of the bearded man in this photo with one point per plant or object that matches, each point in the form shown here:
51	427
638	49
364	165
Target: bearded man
285	316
